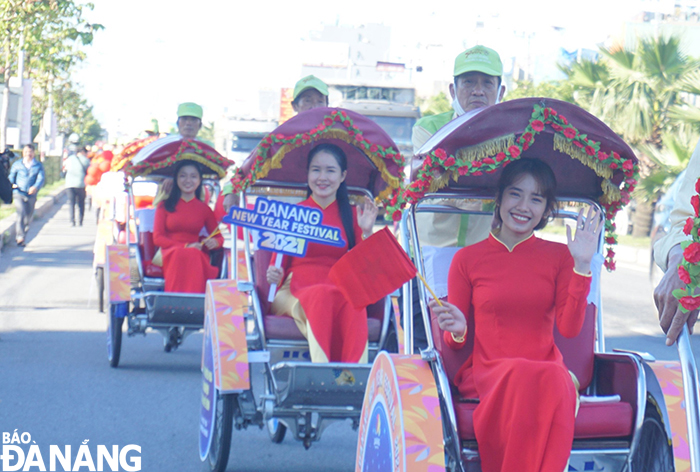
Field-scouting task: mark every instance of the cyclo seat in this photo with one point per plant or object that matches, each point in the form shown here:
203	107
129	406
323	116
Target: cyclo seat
284	327
610	419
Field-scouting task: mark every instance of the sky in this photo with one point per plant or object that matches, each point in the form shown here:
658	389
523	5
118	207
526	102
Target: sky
155	54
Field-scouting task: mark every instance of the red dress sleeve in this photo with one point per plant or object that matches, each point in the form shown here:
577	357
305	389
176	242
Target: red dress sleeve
459	293
570	302
160	234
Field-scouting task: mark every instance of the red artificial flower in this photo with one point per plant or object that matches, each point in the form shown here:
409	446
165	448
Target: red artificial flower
613	165
564	120
546	113
280	137
463	170
514	151
690	303
537	125
526	146
552	111
321	127
615	155
610	240
359	137
346	124
491	171
697	186
373	148
337	117
450	161
527	137
478	172
488	160
556	127
476	164
396	216
590	151
683	274
351	133
578	144
440	153
692	253
570	133
628	165
610	265
428	161
328	121
500	156
265	144
305	137
695	201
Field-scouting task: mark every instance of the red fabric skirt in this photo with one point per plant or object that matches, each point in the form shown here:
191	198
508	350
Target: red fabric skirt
186	270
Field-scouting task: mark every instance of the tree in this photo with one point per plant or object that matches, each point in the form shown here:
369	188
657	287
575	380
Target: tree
51	33
560	90
642	94
435	105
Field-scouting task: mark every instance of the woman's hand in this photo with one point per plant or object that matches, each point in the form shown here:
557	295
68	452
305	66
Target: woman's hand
211	243
367	216
449	317
274	275
585	243
194	245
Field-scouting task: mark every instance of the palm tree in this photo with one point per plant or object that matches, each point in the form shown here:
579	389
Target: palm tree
643	95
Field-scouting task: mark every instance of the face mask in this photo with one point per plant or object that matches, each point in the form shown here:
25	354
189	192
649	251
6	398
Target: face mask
457	107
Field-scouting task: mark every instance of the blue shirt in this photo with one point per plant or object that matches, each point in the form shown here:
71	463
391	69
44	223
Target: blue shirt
25	177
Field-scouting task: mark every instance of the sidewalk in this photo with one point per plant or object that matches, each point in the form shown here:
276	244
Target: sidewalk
43	206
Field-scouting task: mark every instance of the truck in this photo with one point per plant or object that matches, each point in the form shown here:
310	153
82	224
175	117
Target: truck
392	108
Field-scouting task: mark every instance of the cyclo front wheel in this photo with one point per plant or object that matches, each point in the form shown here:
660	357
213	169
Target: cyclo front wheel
114	335
654	452
221	437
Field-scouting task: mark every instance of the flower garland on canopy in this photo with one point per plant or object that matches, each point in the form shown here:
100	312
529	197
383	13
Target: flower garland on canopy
566	139
129	151
188	149
349	133
689	269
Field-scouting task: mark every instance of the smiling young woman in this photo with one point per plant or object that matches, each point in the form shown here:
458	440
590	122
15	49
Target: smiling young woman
517	286
336	331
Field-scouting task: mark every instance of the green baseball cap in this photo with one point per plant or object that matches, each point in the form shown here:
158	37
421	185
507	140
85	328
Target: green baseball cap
310	82
479	59
189	109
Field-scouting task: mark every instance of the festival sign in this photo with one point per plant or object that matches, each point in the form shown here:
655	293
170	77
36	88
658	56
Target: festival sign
285	228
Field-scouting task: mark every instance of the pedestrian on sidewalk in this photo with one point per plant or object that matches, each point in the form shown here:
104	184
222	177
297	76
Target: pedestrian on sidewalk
76	166
27	177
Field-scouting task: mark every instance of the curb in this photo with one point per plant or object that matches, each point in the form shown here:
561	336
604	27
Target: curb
7	225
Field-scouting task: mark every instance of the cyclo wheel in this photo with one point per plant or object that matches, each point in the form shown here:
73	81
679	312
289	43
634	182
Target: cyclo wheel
114	336
221	437
100	276
654	452
276	429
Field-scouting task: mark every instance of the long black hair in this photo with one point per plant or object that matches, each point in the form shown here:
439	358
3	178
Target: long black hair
176	193
546	183
341	195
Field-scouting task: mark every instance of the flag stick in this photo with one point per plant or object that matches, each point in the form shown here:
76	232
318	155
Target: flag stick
273	287
435	297
214	233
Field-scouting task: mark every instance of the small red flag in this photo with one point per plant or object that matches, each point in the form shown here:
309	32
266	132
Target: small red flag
373	269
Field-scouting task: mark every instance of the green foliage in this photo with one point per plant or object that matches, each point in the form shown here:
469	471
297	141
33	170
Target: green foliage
53	35
560	90
206	133
435	105
644	95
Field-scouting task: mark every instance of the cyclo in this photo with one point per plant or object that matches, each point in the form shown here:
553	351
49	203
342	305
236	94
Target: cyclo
134	279
256	366
636	414
110	198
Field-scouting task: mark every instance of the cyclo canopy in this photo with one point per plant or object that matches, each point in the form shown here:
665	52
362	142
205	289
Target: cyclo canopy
374	161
